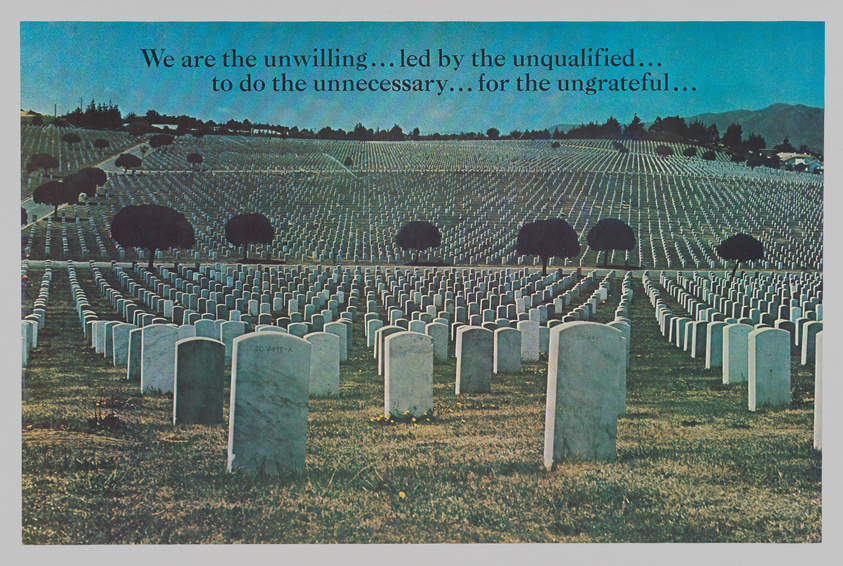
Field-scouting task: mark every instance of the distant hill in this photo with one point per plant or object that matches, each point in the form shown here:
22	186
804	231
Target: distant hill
801	124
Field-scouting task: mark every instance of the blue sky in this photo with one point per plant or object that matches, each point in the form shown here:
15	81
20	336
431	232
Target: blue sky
731	65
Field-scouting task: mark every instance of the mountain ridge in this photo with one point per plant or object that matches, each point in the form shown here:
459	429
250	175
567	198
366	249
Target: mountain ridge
801	124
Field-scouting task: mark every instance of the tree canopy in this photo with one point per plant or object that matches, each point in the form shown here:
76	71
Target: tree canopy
153	227
738	248
95	174
548	238
71	138
664	150
733	136
160	140
610	234
194	159
41	161
418	235
245	229
128	161
53	193
79	183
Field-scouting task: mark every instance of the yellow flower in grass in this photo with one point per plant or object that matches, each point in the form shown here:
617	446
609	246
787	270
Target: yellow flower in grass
402	495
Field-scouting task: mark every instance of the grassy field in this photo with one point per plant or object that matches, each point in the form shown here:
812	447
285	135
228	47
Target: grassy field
103	464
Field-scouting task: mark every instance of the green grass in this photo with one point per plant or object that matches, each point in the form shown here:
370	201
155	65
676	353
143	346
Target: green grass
693	464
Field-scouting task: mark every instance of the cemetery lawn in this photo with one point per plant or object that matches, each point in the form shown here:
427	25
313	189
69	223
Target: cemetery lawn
103	464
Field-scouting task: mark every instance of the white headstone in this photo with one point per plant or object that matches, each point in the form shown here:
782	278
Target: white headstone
439	334
324	363
340	330
769	368
529	340
475	354
736	353
408	374
158	357
507	343
270	381
120	342
584	373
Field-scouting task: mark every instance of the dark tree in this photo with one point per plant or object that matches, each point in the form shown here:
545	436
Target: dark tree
418	235
785	146
697	131
732	137
635	129
664	150
160	140
755	142
194	159
128	161
245	229
77	184
689	151
100	143
610	234
738	248
755	161
52	193
738	158
555	145
396	133
493	133
95	174
24	217
709	155
548	238
348	162
71	138
41	161
713	134
153	227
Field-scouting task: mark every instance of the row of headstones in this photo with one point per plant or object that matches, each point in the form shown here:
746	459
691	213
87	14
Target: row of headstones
320	256
693	334
465	307
206	295
270	385
35	321
779	296
759	355
151	355
528	331
278	302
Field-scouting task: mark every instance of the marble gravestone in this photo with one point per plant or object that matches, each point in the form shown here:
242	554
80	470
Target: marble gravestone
507	346
584	373
324	363
199	383
270	380
475	354
158	357
736	353
408	374
769	368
